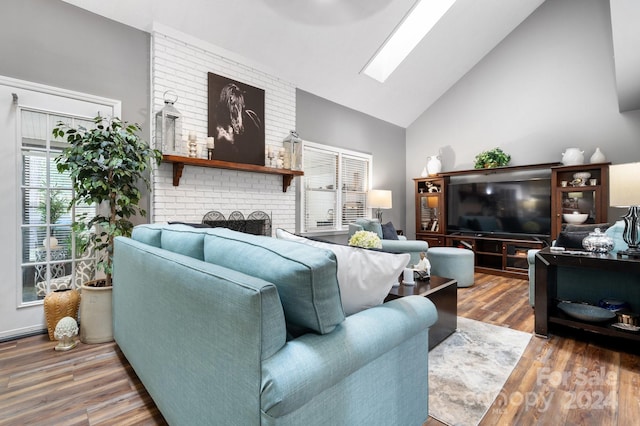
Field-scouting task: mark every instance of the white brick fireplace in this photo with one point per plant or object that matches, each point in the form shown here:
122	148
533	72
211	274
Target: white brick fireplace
181	64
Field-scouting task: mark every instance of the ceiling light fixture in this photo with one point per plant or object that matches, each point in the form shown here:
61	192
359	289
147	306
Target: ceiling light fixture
424	15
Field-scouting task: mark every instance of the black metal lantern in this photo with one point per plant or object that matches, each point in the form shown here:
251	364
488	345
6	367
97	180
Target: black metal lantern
169	126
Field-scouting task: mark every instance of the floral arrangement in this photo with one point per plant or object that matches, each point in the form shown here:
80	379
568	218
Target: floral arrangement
365	239
492	158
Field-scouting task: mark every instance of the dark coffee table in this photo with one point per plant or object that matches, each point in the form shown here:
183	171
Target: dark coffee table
443	292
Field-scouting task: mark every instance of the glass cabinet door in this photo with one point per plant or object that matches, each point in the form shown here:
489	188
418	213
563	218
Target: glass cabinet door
430	206
429	212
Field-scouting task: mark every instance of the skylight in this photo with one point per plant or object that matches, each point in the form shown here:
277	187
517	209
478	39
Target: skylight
418	22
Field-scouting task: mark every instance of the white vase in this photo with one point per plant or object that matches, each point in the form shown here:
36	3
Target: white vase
598	157
51	242
434	166
572	157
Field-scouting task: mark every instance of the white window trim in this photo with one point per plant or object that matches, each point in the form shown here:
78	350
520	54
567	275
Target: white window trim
339	228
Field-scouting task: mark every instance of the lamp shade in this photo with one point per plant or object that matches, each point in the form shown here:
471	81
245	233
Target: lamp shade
379	199
624	185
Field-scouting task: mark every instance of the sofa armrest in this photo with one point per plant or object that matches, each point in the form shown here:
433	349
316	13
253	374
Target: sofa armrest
413	247
531	258
306	366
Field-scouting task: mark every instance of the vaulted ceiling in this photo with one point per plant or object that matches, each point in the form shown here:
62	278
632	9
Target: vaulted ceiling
321	46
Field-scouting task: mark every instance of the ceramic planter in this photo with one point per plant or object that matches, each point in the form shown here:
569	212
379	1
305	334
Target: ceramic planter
96	316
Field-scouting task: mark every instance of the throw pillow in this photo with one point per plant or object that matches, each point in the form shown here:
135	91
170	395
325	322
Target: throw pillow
590	227
365	276
571	240
572	235
372	225
389	232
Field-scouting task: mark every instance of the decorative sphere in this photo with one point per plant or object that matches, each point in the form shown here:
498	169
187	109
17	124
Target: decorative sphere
66	327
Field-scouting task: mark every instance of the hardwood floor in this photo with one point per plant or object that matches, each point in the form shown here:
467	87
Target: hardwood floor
560	380
557	381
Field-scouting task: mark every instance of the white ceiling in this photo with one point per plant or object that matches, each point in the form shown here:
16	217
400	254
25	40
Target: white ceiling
321	46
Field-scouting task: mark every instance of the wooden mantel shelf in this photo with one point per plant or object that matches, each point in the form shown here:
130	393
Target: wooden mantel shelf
179	162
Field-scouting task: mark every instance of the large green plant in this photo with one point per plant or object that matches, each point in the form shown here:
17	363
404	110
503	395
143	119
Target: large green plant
105	163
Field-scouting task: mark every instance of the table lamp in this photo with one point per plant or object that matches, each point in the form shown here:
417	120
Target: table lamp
624	191
379	199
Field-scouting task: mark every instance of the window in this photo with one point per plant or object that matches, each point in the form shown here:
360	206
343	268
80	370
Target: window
52	255
334	187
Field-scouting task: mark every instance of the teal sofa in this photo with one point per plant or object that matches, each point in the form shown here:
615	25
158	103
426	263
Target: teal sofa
401	245
231	329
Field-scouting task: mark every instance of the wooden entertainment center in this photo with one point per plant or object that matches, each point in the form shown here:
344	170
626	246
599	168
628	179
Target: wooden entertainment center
506	254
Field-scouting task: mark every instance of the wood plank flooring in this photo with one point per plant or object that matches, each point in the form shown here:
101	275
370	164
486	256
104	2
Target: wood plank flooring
559	381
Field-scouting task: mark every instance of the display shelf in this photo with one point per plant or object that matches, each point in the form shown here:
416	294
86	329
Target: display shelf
179	162
430	203
571	194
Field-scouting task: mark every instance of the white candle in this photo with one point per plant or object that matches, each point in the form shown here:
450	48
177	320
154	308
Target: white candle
210	142
192	135
407	277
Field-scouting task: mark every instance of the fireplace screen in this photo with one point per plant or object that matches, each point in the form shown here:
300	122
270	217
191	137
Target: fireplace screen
256	223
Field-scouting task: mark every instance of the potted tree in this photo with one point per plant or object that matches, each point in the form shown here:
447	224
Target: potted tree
105	163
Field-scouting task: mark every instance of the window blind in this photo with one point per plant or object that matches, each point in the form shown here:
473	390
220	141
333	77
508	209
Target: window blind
335	186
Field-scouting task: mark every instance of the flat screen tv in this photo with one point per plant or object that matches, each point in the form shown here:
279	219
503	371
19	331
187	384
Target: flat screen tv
517	204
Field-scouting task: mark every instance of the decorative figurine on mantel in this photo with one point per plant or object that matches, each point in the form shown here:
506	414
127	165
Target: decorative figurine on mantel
193	145
271	156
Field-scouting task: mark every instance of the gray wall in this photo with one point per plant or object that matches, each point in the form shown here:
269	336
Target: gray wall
53	43
548	86
322	121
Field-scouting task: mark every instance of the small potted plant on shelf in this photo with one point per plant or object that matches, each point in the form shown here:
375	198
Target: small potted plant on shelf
105	164
492	158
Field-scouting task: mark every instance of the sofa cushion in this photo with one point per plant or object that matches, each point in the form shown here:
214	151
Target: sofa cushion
389	232
365	276
149	234
616	232
183	239
372	225
304	276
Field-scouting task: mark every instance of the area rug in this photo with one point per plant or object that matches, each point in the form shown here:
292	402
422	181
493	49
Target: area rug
468	370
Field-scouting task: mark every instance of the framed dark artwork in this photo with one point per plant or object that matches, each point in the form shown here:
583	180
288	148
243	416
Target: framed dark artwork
236	120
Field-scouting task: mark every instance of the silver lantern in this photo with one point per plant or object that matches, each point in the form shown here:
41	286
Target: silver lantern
169	126
293	151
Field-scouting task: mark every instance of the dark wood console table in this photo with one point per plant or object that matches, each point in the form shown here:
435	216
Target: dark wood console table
546	312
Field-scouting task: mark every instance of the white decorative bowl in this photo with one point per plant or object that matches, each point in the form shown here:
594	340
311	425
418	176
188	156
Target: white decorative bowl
575	218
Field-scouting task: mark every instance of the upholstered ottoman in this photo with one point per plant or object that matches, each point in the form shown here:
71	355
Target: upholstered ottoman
452	262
